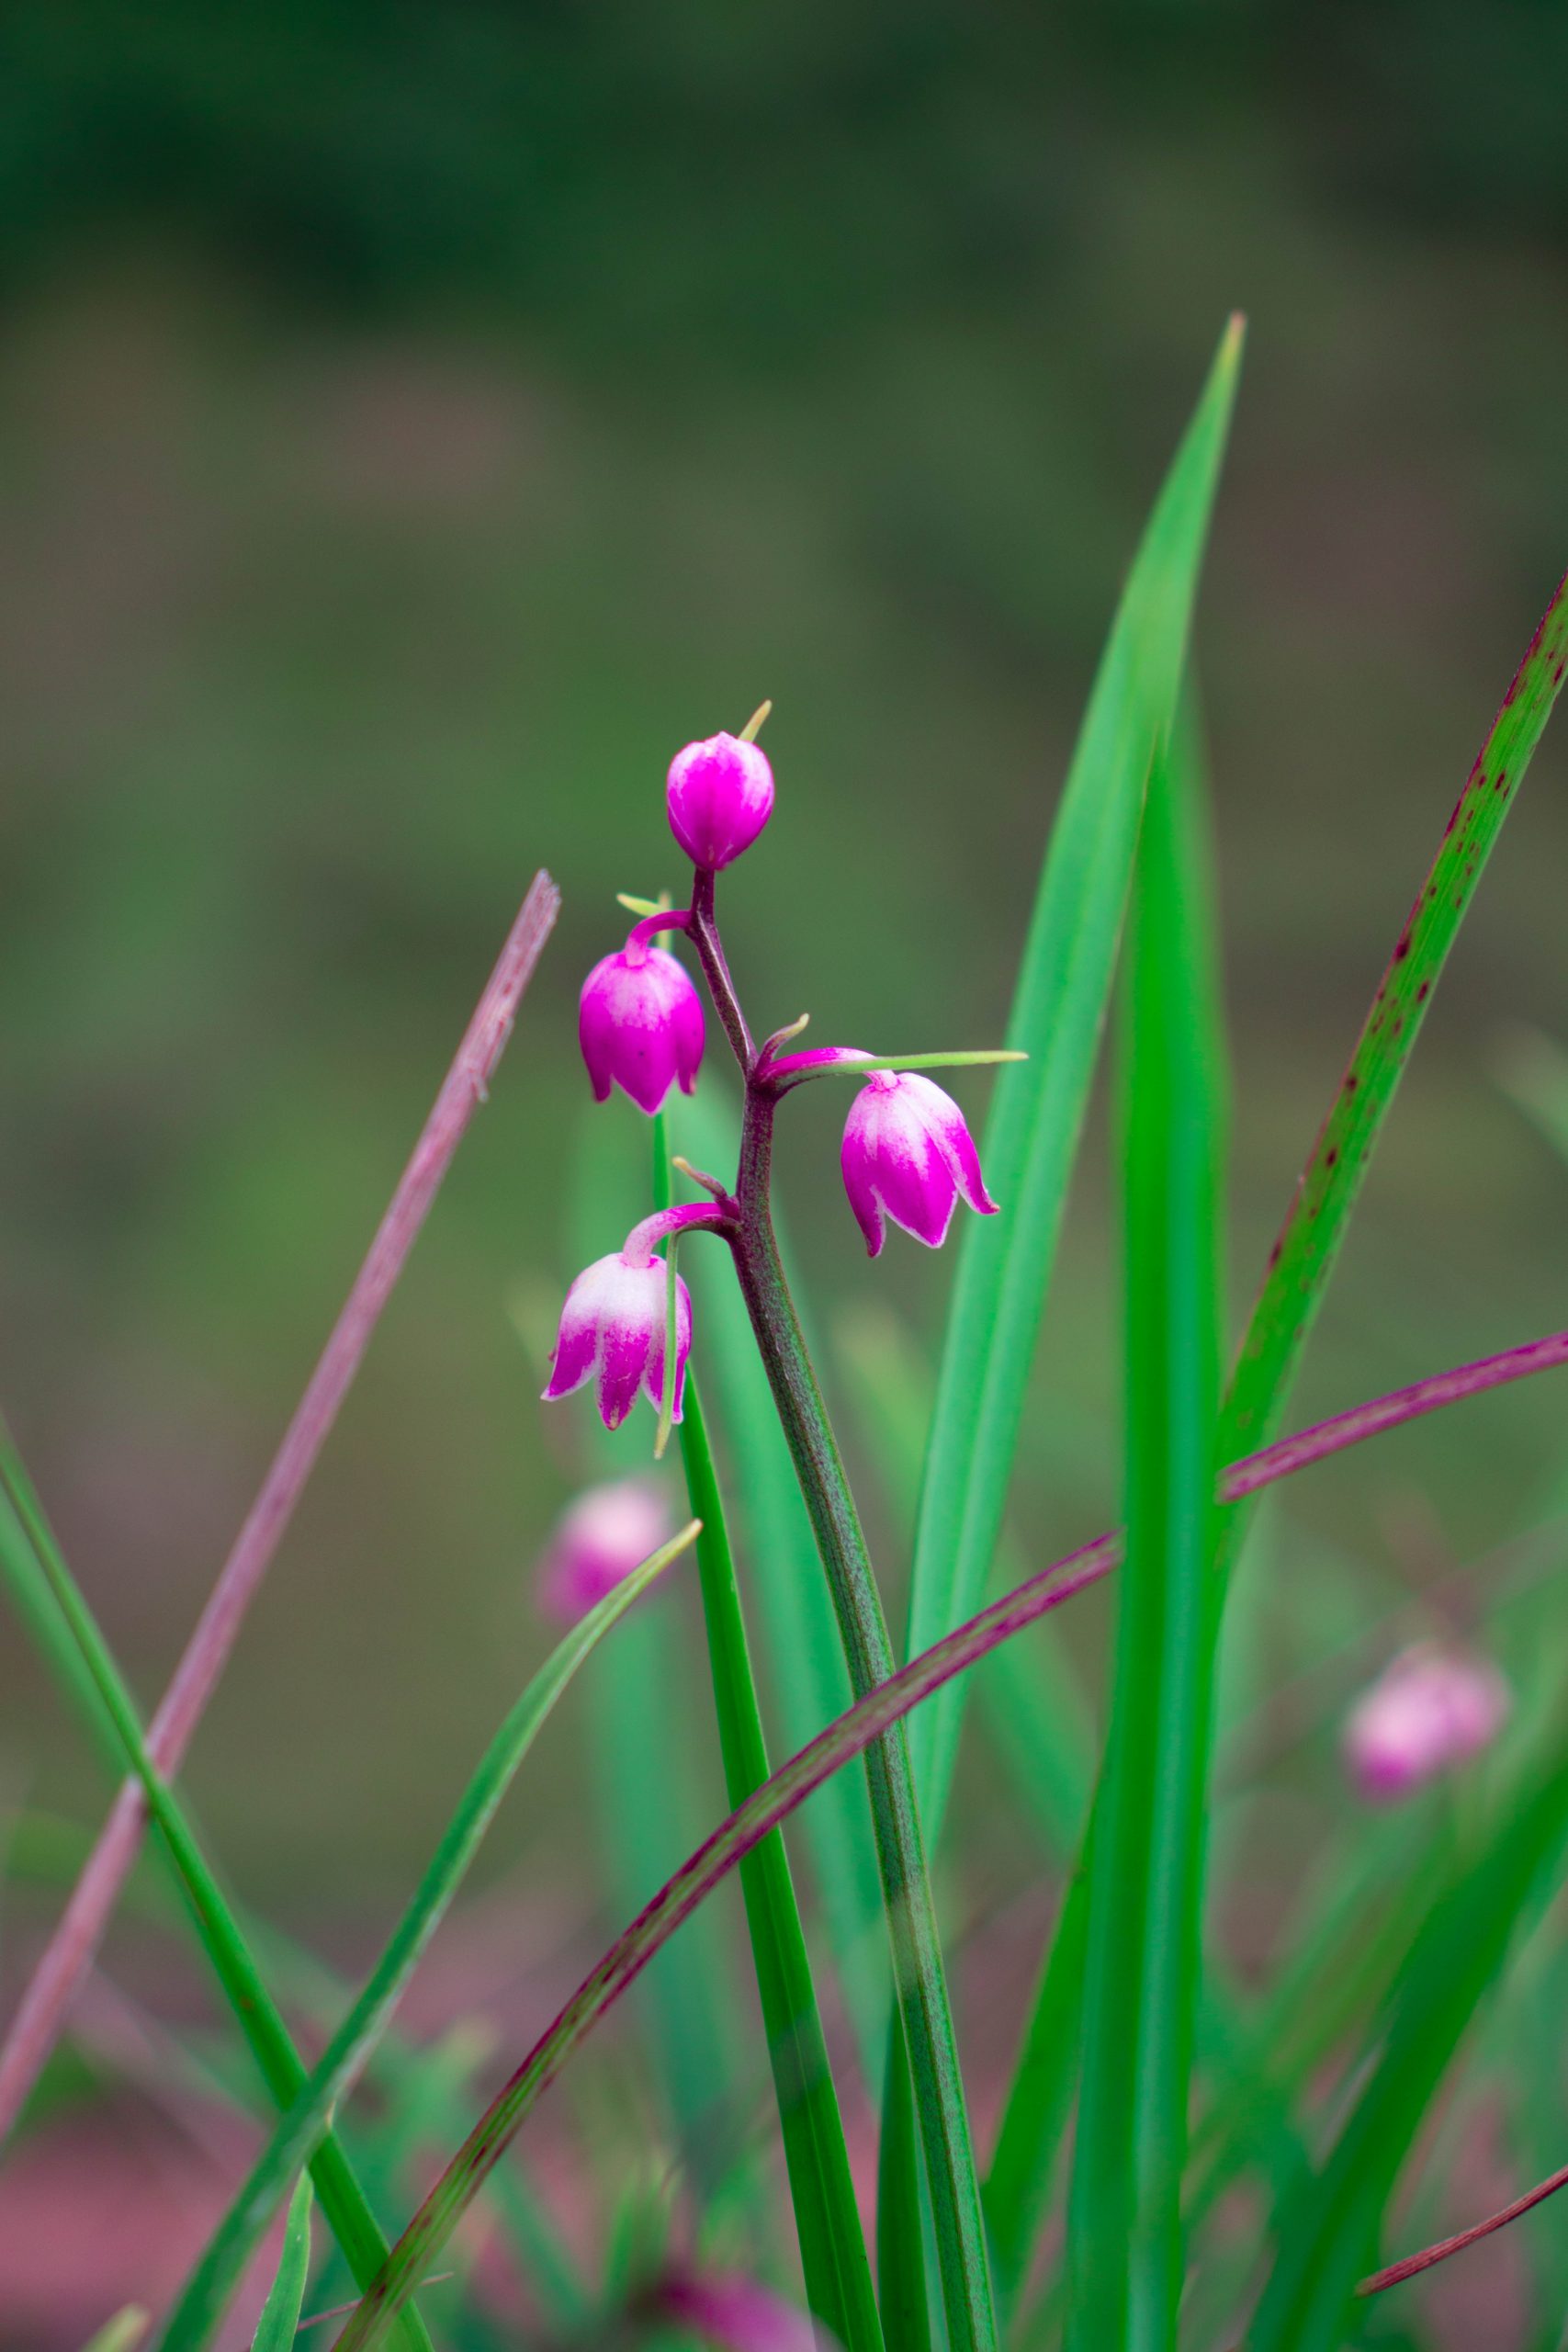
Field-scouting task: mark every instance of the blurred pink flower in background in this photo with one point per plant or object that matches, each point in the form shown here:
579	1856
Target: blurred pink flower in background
597	1541
1428	1710
737	2315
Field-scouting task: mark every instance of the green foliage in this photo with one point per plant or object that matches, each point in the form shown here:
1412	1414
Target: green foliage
280	2313
222	2265
1125	2253
1059	1009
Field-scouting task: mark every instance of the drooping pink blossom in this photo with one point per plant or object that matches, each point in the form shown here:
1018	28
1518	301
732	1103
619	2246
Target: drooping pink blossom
597	1542
1430	1709
719	795
908	1154
613	1326
639	1023
613	1332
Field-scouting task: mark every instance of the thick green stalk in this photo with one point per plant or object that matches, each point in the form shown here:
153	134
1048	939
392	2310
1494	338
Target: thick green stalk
832	2245
911	1914
32	1562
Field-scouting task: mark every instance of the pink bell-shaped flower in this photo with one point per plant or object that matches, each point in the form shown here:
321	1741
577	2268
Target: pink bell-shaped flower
613	1331
597	1542
719	795
639	1023
908	1154
1428	1711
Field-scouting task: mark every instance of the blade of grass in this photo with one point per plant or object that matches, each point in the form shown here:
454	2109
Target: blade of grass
1031	1704
1041	2093
1303	1256
279	2321
1037	1115
1124	2250
41	2013
228	2250
1031	1134
120	2333
1324	2229
832	2245
31	1559
807	1677
901	2263
721	1853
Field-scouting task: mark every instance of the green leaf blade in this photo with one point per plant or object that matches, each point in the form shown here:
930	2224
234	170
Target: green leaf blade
1309	1241
1058	1012
221	2264
834	2262
1125	2246
1326	2227
36	1573
279	2321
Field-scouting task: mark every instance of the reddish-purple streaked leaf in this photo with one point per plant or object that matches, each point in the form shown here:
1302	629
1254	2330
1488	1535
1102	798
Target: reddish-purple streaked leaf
1302	1258
37	2023
789	1787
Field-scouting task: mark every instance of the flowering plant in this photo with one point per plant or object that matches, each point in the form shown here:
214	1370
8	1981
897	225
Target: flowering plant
1149	2081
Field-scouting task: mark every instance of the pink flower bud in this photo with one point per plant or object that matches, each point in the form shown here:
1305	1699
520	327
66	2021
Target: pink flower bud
907	1152
639	1023
1428	1711
613	1328
719	795
597	1542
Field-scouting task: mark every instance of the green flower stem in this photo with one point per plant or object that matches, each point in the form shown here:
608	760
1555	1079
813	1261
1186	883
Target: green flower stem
911	1915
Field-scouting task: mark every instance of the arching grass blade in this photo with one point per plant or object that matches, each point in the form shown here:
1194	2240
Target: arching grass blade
222	2265
1031	1134
34	1567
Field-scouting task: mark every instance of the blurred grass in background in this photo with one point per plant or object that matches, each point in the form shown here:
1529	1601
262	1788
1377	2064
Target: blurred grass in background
414	426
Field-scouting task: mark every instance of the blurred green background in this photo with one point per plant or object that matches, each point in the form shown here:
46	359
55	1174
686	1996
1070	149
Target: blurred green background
416	423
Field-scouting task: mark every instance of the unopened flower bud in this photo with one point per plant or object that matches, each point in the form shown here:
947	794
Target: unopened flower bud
1428	1711
719	795
908	1153
597	1542
639	1024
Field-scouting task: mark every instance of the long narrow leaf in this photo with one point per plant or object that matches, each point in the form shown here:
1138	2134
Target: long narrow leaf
807	1675
832	2245
33	1565
1031	1135
1303	1256
222	2264
279	2320
1124	2238
1326	2230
